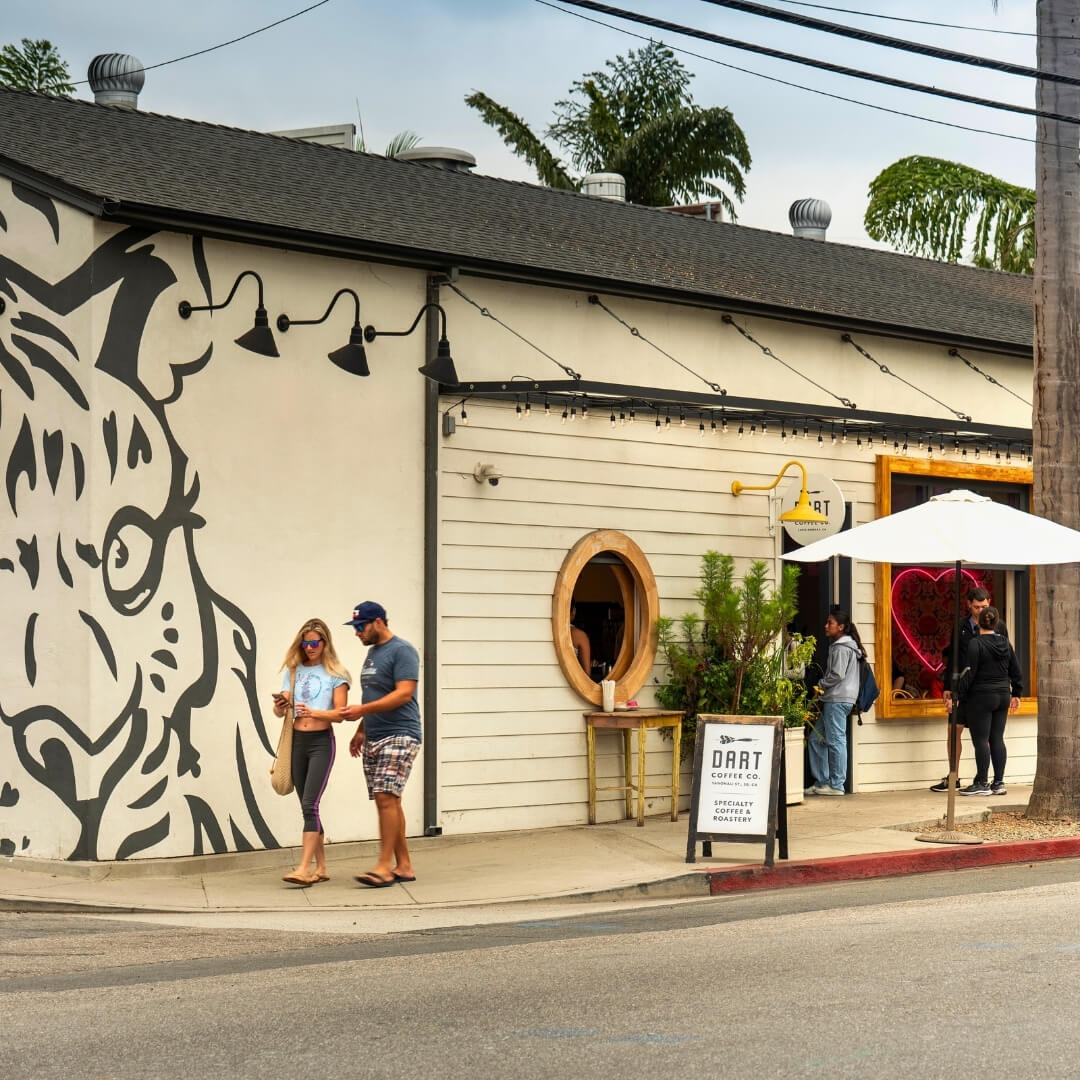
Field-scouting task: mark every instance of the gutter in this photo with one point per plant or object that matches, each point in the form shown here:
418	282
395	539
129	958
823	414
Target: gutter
271	236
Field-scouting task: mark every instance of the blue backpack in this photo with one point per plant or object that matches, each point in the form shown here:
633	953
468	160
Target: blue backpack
868	688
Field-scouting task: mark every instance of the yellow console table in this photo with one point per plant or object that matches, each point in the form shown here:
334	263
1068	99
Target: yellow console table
628	721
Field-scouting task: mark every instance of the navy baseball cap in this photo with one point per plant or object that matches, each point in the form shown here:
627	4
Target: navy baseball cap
365	613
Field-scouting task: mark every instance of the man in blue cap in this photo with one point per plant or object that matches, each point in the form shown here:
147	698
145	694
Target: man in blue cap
389	736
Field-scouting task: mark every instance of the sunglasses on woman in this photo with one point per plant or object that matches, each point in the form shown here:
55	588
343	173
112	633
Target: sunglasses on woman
311	644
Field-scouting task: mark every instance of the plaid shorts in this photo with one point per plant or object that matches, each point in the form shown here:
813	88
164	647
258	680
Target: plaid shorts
387	764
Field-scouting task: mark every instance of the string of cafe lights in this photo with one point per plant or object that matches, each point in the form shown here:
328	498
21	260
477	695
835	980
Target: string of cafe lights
786	426
741	416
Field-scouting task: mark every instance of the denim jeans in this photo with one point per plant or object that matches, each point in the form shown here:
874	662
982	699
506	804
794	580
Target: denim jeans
828	745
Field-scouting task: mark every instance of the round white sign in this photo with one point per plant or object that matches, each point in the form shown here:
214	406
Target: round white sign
825	497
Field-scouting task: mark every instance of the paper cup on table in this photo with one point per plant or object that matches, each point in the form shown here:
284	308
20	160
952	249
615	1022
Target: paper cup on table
607	694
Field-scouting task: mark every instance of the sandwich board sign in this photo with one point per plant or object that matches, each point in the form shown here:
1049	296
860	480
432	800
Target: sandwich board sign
737	780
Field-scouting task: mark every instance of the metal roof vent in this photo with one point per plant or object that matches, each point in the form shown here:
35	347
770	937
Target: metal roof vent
604	185
445	157
810	218
116	79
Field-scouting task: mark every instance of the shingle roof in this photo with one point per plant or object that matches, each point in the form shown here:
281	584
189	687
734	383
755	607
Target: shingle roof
208	177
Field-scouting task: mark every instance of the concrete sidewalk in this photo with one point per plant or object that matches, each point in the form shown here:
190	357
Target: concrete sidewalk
829	839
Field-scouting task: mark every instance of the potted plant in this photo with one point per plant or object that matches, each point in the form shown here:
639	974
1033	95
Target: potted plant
736	658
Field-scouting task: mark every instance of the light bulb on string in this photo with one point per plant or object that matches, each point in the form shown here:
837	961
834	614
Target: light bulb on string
547	407
869	441
858	442
1008	454
657	421
723	421
632	414
753	430
783	433
565	414
740	429
667	421
976	451
517	409
528	407
833	435
764	426
682	418
585	409
820	440
806	431
612	417
712	425
701	427
843	437
464	417
573	413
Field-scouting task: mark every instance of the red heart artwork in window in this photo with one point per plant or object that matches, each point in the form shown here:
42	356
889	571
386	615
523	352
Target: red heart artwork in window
923	609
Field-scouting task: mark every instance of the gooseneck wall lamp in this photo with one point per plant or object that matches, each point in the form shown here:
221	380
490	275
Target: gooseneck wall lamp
260	338
802	511
351	357
441	369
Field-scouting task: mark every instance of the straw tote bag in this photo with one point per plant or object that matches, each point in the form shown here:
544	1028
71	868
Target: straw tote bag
281	773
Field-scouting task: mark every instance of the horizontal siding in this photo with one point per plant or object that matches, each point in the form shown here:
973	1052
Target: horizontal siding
512	740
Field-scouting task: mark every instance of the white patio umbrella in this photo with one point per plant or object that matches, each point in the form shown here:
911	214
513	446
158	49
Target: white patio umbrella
956	527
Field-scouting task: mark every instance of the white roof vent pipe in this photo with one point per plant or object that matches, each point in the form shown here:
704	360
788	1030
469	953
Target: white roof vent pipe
604	185
116	79
810	218
444	157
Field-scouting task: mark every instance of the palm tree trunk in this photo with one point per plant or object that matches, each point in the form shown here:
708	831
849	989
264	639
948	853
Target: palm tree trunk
1056	418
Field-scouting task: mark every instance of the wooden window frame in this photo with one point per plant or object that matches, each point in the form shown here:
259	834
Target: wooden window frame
886	707
641	601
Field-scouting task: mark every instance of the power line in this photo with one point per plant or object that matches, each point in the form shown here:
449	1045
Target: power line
807	22
222	45
918	22
839	69
794	85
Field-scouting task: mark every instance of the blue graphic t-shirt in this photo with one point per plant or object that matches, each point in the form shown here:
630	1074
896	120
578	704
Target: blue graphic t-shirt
384	667
314	686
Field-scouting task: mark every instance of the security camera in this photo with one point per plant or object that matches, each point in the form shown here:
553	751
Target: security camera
490	473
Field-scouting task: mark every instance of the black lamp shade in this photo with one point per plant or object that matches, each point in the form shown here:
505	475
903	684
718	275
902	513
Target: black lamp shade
260	338
441	369
351	357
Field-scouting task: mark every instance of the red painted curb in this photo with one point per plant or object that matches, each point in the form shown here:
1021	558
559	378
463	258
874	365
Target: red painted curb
890	864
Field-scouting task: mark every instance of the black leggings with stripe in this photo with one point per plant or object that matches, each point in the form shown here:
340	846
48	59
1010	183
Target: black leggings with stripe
312	759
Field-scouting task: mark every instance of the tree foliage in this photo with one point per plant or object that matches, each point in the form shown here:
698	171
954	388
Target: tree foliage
926	206
731	659
35	65
636	118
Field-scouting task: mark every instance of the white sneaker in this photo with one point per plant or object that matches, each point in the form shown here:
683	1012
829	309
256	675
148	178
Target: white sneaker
823	790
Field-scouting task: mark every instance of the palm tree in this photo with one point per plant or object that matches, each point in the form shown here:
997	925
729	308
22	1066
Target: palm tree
1056	792
924	206
35	65
636	118
403	140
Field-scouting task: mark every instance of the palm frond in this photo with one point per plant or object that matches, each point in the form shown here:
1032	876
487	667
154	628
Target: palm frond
925	206
517	135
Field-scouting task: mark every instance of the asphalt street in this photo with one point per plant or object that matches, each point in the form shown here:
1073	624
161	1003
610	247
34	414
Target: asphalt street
927	975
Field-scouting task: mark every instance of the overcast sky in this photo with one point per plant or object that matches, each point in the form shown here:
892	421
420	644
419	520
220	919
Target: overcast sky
410	63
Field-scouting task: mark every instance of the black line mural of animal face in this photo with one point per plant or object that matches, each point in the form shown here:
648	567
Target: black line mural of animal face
128	718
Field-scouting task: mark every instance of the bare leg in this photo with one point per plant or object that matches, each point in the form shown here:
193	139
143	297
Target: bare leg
307	853
320	855
391	831
404	865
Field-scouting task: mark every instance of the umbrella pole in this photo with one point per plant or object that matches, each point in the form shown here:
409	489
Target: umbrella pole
950	835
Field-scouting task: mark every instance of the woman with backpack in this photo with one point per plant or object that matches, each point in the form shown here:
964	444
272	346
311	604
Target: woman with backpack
989	689
840	689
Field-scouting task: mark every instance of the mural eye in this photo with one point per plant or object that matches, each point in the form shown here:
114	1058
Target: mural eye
131	563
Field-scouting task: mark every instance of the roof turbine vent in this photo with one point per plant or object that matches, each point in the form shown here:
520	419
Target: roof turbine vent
116	79
809	218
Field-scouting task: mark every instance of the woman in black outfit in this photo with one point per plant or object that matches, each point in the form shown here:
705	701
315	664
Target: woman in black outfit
990	688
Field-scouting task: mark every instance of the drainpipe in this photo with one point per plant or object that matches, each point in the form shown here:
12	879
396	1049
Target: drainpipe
431	573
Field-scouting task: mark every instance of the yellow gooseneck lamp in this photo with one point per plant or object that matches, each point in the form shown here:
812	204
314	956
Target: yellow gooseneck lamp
802	511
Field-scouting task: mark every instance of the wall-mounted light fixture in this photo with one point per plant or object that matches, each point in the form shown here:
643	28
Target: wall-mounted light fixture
260	338
351	357
441	369
802	511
